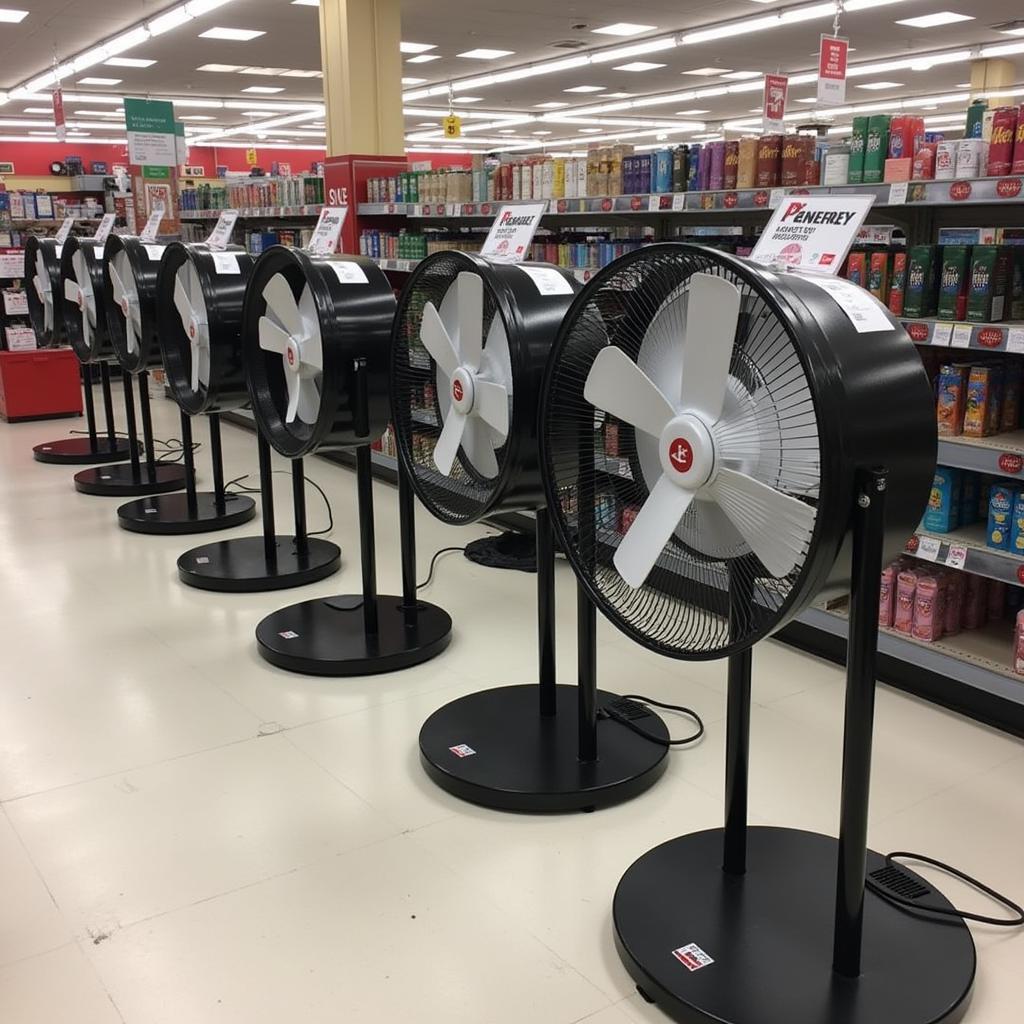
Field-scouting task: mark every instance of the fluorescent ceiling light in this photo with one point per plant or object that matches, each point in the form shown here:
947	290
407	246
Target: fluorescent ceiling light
129	62
196	117
934	20
506	131
541	133
227	68
424	58
482	53
550	105
416	47
741	76
263	88
412	81
696	112
127	40
589	131
709	72
38	110
238	35
877	86
615	95
467	99
270	72
174	18
584	88
306	3
98	81
638	65
623	28
426	124
12	16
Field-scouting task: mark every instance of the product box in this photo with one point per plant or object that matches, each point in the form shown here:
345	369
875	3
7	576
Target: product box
769	161
955	590
968	236
929	608
1000	516
901	137
1000	147
898	169
732	165
995	404
923	267
906	586
945	161
858	145
662	171
944	501
794	156
1009	414
1018	144
898	283
878	276
923	167
716	176
990	273
976	119
1017	528
857	268
680	159
971	158
696	156
979	398
953	282
1018	644
887	596
836	170
951	400
876	148
746	168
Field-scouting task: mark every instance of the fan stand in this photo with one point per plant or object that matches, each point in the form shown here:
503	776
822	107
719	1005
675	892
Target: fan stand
194	511
754	925
362	634
132	478
270	561
92	449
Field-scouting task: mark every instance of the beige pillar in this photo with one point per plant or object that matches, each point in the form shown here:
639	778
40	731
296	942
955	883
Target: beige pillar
362	68
990	75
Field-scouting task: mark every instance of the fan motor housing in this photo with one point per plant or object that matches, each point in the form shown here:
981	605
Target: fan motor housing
144	261
100	349
873	406
224	300
531	318
50	251
355	308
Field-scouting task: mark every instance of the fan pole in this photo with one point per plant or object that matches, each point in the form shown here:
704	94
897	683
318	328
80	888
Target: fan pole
108	408
407	535
191	500
861	658
546	613
267	500
299	505
364	490
131	426
90	406
217	461
147	424
586	681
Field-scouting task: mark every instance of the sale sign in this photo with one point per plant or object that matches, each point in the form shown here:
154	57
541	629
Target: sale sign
775	89
512	233
832	70
58	115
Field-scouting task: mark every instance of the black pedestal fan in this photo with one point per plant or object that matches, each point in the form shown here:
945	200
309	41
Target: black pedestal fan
129	281
777	444
470	342
63	310
199	297
317	331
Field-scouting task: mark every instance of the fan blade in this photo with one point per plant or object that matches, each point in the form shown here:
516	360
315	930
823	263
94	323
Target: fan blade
291	379
281	302
131	338
204	366
47	316
182	303
44	277
71	290
309	400
618	386
655	523
86	328
712	313
490	402
195	357
479	449
469	296
116	284
437	342
272	337
447	446
311	347
776	526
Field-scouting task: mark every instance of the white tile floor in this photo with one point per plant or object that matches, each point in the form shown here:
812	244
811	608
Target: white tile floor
190	835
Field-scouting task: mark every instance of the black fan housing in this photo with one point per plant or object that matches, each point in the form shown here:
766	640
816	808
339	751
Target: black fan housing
42	273
91	344
132	294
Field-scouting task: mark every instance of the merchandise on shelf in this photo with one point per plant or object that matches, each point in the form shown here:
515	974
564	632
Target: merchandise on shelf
258	193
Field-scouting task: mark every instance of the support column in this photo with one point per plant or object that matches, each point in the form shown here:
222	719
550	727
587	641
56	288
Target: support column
989	75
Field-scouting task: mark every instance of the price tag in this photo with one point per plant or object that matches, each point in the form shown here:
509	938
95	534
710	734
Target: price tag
64	230
962	334
149	232
678	201
155	252
105	227
327	230
226	262
220	236
653	204
512	233
957	556
547	280
775	197
928	548
348	272
1015	339
942	334
898	193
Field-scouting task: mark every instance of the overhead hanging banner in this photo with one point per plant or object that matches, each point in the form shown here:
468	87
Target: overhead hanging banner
327	231
812	233
832	57
151	133
58	115
220	236
512	232
773	116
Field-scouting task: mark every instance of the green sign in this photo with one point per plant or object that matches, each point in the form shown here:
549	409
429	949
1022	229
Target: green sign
149	116
151	138
155	172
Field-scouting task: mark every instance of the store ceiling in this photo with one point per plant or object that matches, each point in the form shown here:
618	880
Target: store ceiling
529	28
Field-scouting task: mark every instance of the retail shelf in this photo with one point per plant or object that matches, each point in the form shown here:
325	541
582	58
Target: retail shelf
21	222
1003	337
1000	454
88	182
966	549
257	212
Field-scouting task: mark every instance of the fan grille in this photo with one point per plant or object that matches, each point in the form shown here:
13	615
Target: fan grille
465	495
708	594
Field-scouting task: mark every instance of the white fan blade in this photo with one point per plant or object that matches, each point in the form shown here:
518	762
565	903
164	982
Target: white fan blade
272	337
182	303
712	313
71	291
469	295
131	338
618	386
204	366
308	408
281	303
776	526
41	271
117	285
291	379
86	327
490	402
40	290
479	449
655	523
436	341
194	354
447	446
311	347
47	316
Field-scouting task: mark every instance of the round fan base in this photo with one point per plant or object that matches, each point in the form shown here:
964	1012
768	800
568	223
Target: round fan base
240	565
120	482
327	637
495	749
170	513
768	935
77	451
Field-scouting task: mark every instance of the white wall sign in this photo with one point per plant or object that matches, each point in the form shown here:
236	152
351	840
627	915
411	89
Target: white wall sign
513	229
812	232
220	236
327	231
149	232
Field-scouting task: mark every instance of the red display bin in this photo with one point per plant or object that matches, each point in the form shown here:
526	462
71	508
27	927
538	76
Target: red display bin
41	384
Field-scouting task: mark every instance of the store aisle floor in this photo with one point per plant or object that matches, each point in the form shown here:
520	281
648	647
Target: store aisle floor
189	835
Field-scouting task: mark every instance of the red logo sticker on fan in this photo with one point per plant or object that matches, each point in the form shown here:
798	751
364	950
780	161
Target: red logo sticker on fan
290	356
1008	188
191	330
680	453
1010	462
457	391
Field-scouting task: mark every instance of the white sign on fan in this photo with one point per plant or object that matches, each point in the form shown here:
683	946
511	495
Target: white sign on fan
64	230
512	233
106	225
327	231
220	236
149	232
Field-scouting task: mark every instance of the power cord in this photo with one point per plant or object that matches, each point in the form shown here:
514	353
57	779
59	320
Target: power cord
242	489
619	711
433	563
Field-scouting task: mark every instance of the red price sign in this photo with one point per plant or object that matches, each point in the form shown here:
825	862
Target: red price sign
58	115
832	58
775	89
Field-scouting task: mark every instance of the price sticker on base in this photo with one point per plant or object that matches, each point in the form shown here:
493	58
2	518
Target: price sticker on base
957	557
928	548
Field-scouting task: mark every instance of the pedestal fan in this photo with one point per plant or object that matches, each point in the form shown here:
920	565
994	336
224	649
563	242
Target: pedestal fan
317	332
199	297
779	439
79	309
129	281
470	342
43	288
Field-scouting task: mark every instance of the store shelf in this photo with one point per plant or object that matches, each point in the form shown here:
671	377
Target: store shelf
257	212
1002	337
50	221
966	549
1000	454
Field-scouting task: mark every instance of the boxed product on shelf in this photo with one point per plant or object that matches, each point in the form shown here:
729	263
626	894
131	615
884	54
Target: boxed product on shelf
944	501
906	585
945	161
746	172
921	296
990	274
876	148
878	275
898	283
955	592
929	607
1017	524
968	512
952	396
954	281
975	613
858	148
732	165
1018	144
887	596
898	169
923	167
1000	515
1000	147
971	158
857	268
980	401
769	161
1018	644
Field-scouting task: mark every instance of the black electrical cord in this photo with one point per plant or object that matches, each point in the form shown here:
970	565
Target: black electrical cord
433	562
242	489
610	711
922	908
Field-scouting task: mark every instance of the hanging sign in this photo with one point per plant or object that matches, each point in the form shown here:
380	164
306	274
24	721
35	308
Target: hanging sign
149	232
452	126
58	114
327	231
180	144
775	89
64	230
105	227
512	232
250	157
832	70
150	128
812	232
220	236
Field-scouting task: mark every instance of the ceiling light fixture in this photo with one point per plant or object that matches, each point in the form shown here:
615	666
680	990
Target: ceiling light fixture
584	88
412	81
550	105
879	86
226	68
623	28
482	53
742	76
237	35
708	72
416	47
423	58
99	81
129	62
12	16
638	65
935	20
263	88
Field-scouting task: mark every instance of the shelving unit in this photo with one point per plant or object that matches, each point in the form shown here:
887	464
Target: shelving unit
257	212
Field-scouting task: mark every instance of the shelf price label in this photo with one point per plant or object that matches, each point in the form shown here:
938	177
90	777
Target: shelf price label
928	548
678	202
1015	340
898	193
957	557
942	334
962	334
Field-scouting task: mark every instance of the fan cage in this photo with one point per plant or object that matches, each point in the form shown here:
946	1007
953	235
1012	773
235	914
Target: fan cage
100	351
694	605
51	252
144	272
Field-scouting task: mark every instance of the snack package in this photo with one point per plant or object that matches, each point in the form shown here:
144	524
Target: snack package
954	282
1000	516
943	512
979	397
1018	644
951	399
887	596
929	613
906	585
